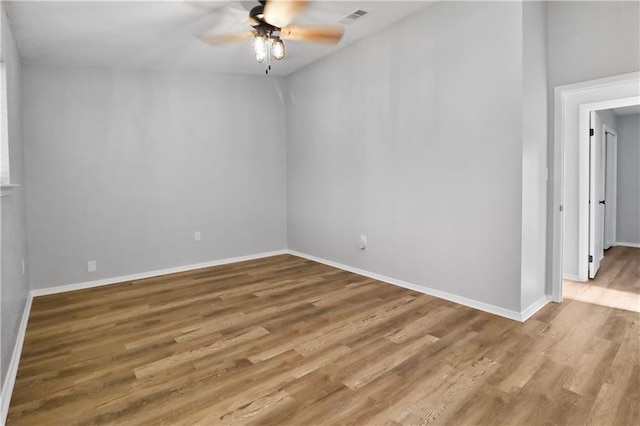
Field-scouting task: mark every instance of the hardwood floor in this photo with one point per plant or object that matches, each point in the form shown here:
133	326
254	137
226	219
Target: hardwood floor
617	283
287	341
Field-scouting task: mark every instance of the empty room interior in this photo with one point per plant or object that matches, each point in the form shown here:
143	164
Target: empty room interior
320	212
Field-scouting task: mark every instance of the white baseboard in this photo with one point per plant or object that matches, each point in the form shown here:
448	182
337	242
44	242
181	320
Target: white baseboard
571	277
12	371
151	274
534	307
492	309
623	244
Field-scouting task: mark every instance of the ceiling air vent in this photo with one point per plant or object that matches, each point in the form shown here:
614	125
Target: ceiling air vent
353	16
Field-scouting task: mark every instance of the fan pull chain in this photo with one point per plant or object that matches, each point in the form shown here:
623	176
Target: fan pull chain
268	57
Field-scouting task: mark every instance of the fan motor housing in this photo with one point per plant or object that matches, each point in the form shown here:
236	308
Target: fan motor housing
263	27
257	12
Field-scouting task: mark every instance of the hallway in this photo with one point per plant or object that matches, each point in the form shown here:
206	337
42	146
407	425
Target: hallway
617	284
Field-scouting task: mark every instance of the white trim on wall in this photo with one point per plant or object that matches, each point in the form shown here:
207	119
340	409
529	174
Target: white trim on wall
571	277
492	309
151	274
623	244
534	307
12	371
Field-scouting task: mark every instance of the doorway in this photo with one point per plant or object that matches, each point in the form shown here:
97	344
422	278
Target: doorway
572	170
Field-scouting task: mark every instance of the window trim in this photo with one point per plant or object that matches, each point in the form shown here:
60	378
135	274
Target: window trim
5	167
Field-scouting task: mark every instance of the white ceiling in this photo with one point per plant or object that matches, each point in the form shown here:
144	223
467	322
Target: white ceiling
629	110
161	34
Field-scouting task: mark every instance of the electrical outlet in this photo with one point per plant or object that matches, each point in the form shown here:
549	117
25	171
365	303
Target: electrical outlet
92	266
196	236
363	242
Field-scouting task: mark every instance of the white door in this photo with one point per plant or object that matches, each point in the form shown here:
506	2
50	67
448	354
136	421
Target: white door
610	173
596	195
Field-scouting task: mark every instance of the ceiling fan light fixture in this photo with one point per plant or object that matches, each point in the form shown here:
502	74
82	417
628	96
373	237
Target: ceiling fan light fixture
260	48
270	23
277	49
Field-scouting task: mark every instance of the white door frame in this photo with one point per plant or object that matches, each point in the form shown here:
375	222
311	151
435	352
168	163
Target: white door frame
573	104
596	182
611	183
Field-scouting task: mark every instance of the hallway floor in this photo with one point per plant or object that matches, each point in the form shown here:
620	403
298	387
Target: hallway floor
617	283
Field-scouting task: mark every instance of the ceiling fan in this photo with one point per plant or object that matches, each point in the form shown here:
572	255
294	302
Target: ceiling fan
270	23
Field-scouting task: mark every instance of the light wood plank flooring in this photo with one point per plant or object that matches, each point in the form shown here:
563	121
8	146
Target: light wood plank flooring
287	341
617	283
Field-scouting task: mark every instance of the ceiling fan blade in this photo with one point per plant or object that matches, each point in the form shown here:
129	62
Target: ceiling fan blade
280	13
227	19
316	34
219	39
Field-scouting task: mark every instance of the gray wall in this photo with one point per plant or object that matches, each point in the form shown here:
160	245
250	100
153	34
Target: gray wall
13	284
534	151
628	192
414	138
586	40
592	39
125	165
608	118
